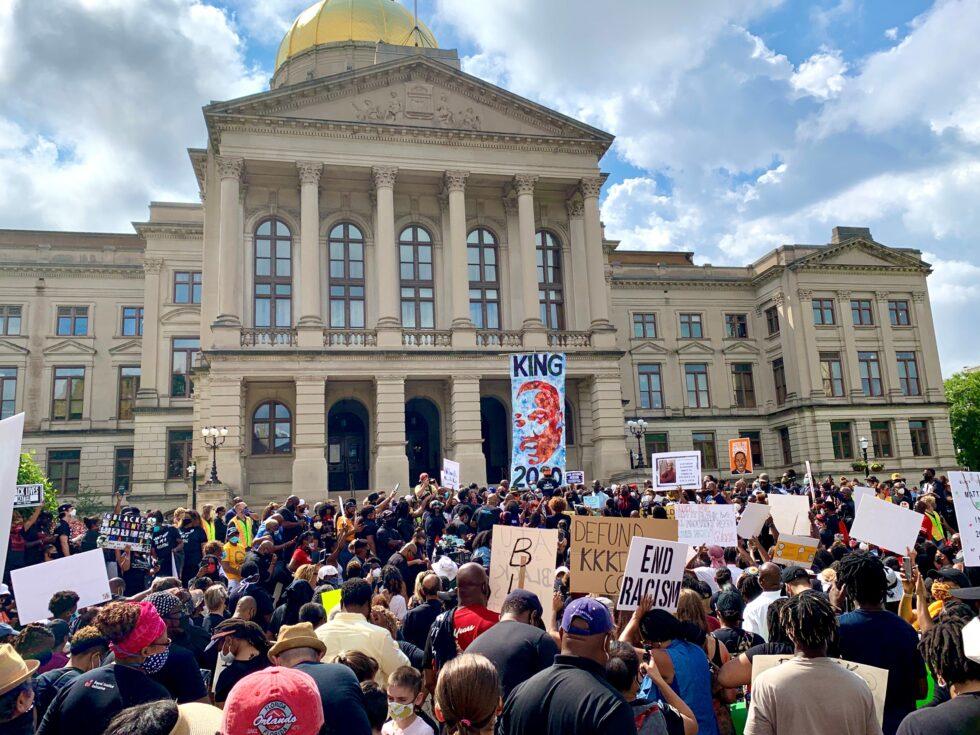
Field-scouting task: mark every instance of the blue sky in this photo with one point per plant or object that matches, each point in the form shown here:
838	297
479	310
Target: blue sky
740	125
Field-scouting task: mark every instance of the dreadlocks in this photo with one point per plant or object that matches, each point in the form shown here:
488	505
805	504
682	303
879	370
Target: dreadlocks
942	648
864	575
809	620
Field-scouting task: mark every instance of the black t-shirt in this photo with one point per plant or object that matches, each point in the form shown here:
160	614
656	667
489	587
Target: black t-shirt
48	684
193	553
87	706
552	521
263	600
23	725
343	701
418	620
62	529
770	649
368	528
486	518
211	621
548	486
737	640
289	516
235	672
958	716
383	543
181	675
435	524
164	543
517	650
459	527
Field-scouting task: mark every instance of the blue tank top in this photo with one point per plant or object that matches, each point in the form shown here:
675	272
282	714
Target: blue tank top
692	682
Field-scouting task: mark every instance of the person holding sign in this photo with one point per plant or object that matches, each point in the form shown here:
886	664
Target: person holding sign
17	548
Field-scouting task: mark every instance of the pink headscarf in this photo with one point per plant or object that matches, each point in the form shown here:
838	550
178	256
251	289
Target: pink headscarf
717	556
149	627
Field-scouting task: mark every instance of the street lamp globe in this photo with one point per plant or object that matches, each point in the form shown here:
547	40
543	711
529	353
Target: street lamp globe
863	442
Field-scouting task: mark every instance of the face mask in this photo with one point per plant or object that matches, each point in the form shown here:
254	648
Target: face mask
227	658
72	512
399	711
153	664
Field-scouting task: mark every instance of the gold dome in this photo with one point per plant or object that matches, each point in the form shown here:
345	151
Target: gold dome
330	21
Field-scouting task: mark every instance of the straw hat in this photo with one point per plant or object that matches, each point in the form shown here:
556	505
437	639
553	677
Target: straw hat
300	635
197	718
13	669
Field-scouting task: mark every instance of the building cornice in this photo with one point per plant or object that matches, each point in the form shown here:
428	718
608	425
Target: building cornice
169	230
71	270
660	281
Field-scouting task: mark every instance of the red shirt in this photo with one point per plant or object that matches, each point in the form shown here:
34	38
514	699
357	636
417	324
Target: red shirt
469	622
300	557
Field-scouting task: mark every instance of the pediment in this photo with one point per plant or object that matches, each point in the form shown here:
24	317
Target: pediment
129	347
695	348
649	348
181	314
741	347
70	347
9	347
414	92
860	253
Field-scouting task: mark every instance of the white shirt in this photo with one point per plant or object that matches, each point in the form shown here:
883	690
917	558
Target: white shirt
398	607
418	727
707	575
754	617
352	632
736	573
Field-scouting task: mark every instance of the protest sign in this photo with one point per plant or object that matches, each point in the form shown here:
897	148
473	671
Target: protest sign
600	545
859	492
810	482
11	435
754	517
574	477
29	496
966	501
887	525
596	501
711	525
740	456
676	469
330	599
875	678
537	399
653	567
795	550
120	532
523	558
84	574
450	474
790	513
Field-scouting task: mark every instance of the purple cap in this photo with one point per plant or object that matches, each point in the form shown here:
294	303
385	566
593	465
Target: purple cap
590	611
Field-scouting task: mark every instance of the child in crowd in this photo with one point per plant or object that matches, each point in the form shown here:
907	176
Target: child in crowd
404	695
376	705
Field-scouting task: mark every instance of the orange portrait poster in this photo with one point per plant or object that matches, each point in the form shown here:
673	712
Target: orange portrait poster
740	456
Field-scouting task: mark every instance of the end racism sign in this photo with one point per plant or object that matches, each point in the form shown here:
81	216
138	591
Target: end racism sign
655	568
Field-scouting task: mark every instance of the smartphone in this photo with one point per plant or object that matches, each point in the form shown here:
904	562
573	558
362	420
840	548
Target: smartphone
907	566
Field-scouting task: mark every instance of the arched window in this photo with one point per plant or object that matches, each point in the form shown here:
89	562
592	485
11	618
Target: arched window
415	269
481	256
346	277
551	294
273	274
272	429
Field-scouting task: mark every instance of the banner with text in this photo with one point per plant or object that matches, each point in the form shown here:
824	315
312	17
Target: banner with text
656	568
523	558
672	470
574	477
711	525
84	574
450	474
966	501
795	550
537	399
120	532
29	496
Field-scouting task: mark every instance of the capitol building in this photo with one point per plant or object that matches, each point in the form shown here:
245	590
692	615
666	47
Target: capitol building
375	234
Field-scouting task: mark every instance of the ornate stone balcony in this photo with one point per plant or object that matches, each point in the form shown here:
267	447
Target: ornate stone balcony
427	338
268	337
564	340
350	338
498	338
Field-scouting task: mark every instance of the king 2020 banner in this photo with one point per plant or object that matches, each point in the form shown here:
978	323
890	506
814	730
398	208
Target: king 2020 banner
537	399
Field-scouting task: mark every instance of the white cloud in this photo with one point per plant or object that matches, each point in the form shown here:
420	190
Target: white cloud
821	76
891	34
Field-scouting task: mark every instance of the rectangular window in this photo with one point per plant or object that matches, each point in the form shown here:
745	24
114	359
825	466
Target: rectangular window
132	321
129	384
704	442
185	354
657	442
772	320
881	438
72	321
755	445
691	327
68	396
122	475
898	314
870	373
785	445
919	432
861	313
696	377
823	312
645	326
187	287
650	386
63	469
832	372
779	380
908	374
743	386
840	435
737	326
10	316
180	449
8	391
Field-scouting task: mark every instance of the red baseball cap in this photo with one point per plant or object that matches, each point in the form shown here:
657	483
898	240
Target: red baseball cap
274	701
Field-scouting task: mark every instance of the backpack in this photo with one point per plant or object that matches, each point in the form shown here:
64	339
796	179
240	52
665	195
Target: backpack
440	643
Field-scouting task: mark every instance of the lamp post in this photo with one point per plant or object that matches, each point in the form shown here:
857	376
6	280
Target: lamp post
214	438
192	473
863	441
638	428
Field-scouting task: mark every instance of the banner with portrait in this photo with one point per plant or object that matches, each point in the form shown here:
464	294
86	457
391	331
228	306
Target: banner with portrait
740	456
537	399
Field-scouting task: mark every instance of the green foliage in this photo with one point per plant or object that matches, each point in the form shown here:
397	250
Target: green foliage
963	395
29	473
90	502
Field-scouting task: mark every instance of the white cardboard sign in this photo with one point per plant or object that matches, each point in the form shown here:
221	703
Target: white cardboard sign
574	477
672	470
966	500
11	434
859	492
653	567
711	525
887	525
753	518
85	574
450	474
523	558
790	513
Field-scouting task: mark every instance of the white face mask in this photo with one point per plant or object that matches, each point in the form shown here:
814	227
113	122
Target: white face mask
72	512
227	658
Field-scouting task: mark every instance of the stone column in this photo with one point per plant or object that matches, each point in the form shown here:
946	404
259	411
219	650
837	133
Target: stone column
309	440
147	396
464	332
535	335
850	349
608	432
810	354
892	387
467	436
229	321
390	461
576	229
386	257
931	375
603	333
226	398
513	307
310	323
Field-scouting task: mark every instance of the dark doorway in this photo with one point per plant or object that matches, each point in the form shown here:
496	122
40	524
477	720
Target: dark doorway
347	447
494	426
422	439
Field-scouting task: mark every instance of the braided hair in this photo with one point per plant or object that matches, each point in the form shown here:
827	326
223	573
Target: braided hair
864	575
809	620
942	648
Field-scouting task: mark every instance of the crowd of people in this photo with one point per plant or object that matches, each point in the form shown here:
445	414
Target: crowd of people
373	617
